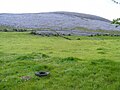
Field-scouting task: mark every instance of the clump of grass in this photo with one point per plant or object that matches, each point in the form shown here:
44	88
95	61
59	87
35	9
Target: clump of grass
70	59
43	67
102	52
25	57
32	56
1	53
100	48
101	61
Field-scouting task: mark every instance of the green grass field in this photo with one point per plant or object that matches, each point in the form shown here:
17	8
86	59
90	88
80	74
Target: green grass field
91	63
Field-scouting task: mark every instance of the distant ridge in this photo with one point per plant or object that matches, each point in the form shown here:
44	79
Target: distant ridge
56	21
81	15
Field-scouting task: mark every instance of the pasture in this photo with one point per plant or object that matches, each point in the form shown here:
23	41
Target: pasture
82	63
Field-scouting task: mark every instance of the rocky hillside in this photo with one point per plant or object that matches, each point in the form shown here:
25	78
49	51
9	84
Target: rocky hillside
57	21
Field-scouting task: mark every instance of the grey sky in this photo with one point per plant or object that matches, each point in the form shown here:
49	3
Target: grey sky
103	8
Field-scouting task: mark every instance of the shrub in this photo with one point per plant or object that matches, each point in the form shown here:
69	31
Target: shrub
5	30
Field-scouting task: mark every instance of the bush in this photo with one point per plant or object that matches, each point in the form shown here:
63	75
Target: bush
5	30
19	30
33	32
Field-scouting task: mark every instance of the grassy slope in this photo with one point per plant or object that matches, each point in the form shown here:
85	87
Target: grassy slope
91	63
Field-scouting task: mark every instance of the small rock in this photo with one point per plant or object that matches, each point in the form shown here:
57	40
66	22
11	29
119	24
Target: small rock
25	78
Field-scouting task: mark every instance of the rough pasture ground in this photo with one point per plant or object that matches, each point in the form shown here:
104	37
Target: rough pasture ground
91	63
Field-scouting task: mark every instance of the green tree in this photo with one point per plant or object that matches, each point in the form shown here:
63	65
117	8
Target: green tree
116	21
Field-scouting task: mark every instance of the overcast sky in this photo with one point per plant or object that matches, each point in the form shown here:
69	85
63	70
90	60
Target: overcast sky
103	8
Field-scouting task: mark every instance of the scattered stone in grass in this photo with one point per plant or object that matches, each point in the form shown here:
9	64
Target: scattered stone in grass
25	78
42	73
